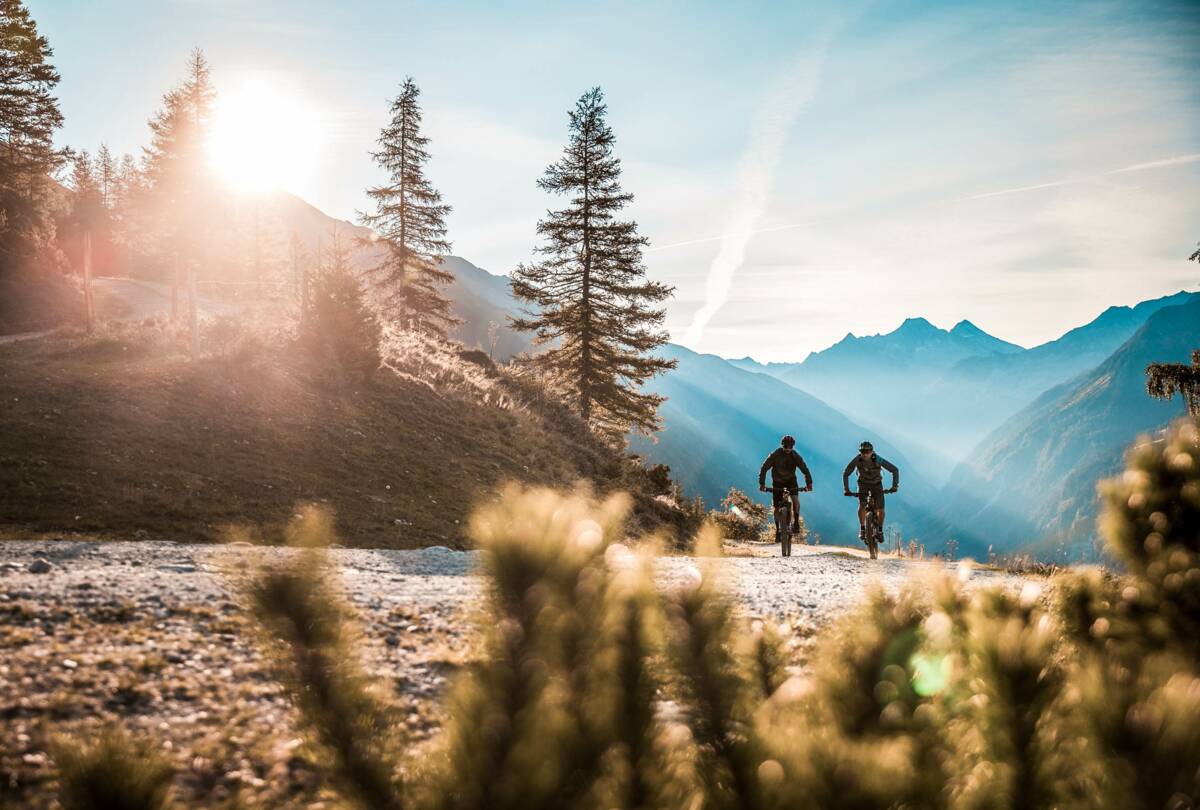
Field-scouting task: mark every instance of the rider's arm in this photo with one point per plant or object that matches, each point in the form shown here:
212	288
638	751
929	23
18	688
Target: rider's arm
804	469
846	475
762	471
893	469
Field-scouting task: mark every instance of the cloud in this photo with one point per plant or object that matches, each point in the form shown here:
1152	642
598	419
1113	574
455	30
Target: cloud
1136	167
756	174
755	232
1158	164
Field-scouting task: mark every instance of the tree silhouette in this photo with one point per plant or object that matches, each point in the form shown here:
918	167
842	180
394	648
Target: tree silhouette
410	221
590	296
1164	380
29	116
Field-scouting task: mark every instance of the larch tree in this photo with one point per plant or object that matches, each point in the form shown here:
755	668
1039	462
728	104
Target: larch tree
410	223
29	116
106	175
1165	380
177	182
591	304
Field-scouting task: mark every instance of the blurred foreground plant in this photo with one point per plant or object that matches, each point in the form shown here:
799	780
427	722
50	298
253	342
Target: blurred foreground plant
595	689
112	772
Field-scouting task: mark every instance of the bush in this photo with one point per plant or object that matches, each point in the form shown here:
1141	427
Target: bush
340	325
743	518
112	772
595	689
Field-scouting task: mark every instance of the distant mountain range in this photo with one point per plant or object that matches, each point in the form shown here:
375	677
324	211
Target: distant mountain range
1035	476
942	391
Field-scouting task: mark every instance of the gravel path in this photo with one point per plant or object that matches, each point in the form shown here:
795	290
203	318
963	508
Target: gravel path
153	634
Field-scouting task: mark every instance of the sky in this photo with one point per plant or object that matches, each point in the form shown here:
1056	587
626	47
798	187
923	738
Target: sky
802	170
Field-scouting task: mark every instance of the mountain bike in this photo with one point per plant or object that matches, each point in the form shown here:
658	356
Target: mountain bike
783	521
871	528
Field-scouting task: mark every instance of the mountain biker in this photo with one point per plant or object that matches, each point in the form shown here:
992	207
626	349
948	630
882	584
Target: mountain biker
870	479
783	463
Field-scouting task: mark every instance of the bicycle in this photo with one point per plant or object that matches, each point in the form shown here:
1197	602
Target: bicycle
871	528
783	520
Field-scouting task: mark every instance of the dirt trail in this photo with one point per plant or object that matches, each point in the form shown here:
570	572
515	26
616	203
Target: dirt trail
153	635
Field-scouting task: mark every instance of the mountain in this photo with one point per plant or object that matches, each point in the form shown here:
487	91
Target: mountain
995	387
721	421
1031	483
883	381
481	298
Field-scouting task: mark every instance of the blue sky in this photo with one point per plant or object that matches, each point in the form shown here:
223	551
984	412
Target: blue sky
802	170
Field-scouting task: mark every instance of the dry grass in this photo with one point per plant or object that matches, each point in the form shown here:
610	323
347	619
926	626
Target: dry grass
119	435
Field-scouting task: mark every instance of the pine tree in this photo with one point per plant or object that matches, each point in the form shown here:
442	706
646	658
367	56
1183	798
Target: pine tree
176	206
590	297
1164	380
106	176
29	116
410	220
86	197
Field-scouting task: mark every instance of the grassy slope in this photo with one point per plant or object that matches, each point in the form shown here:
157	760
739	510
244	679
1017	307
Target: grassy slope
120	434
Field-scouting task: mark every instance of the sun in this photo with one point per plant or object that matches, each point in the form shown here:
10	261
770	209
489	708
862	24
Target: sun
264	136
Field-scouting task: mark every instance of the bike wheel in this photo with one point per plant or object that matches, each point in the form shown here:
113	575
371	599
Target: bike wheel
783	524
872	536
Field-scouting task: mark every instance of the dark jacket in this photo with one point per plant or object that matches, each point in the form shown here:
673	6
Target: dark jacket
869	471
783	463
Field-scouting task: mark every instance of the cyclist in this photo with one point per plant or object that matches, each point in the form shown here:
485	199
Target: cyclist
870	479
783	463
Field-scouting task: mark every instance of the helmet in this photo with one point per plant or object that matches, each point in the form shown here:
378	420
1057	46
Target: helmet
788	441
866	446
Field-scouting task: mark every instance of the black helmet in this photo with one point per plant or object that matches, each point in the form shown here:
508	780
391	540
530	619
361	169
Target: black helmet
788	441
866	446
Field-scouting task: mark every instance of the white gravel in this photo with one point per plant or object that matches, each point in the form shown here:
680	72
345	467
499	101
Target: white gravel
152	636
437	583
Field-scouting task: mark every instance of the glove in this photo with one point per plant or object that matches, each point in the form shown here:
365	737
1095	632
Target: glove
807	489
762	487
848	494
892	490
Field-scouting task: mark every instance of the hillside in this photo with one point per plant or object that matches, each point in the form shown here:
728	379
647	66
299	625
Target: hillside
995	387
122	436
943	391
1032	482
722	421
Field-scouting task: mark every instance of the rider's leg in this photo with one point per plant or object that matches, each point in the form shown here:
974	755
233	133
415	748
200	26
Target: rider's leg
795	511
879	515
862	519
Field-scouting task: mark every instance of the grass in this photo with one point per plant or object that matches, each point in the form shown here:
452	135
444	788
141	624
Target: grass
120	435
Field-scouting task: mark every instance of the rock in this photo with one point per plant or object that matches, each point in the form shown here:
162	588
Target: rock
178	568
40	566
392	641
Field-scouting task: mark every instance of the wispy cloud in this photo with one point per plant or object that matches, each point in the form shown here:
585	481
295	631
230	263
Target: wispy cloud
1136	167
703	239
1158	164
756	174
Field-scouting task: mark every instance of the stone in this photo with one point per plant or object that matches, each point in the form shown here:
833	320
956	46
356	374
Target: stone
40	566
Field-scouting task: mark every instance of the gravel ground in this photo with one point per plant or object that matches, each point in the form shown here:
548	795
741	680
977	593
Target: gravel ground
152	635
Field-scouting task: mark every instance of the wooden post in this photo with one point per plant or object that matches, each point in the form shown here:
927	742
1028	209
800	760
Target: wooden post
257	253
175	286
88	302
193	318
